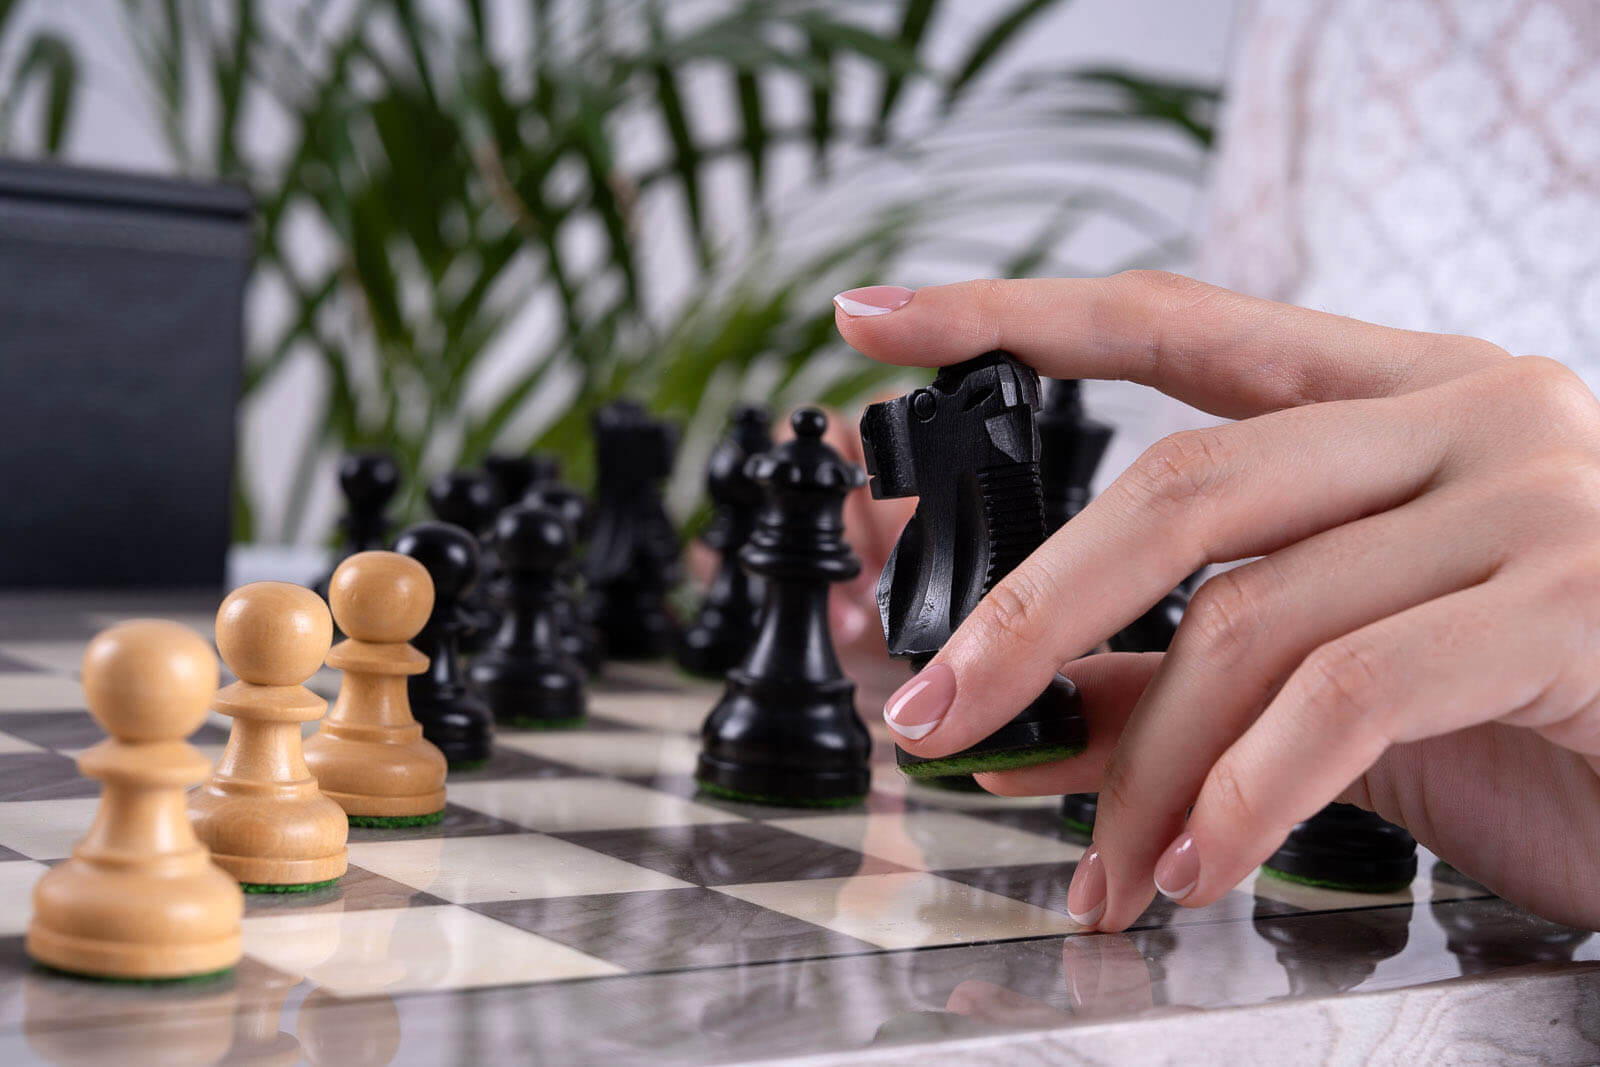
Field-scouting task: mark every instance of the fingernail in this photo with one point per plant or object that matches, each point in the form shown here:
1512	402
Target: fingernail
1178	869
1086	896
873	300
916	707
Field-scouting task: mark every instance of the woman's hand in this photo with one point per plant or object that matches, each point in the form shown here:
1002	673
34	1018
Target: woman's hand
1421	635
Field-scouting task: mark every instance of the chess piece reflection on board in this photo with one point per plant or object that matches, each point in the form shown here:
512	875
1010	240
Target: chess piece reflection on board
369	755
140	898
451	713
261	812
967	447
786	729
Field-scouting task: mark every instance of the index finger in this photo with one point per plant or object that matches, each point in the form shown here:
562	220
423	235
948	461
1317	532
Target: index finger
1222	352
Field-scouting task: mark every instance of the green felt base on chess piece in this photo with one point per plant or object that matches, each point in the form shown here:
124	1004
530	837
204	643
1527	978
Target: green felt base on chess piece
394	822
722	792
182	979
1078	826
953	783
985	762
1324	883
298	887
530	723
468	765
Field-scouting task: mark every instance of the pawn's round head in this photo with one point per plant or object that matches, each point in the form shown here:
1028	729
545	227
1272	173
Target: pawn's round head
448	553
465	498
149	680
808	422
273	633
564	501
380	597
530	537
369	478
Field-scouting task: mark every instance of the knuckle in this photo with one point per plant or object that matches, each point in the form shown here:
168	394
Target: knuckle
1344	680
1560	397
1178	470
1227	795
1013	610
1226	615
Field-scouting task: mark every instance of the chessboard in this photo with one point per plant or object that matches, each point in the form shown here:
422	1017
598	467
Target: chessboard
581	903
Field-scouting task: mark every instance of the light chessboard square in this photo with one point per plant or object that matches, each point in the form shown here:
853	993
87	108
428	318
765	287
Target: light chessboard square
475	870
623	753
899	911
674	711
560	805
17	878
933	840
46	829
29	691
408	950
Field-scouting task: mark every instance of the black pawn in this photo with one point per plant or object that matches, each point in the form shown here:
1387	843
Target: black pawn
1071	445
633	553
1346	847
578	634
452	716
369	481
967	447
514	474
786	730
525	674
471	500
721	632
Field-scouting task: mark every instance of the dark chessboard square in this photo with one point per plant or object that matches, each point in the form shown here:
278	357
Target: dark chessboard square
684	785
457	822
43	776
601	722
12	665
358	890
509	763
730	853
77	729
672	928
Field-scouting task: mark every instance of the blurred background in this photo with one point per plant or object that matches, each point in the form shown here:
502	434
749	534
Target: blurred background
476	220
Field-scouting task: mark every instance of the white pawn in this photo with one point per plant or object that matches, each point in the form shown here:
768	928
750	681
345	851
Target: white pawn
261	813
140	897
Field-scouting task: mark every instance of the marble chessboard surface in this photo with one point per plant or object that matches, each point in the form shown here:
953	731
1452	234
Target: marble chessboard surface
580	903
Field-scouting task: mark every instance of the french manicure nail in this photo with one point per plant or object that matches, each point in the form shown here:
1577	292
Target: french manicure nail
873	300
1178	869
1086	896
919	705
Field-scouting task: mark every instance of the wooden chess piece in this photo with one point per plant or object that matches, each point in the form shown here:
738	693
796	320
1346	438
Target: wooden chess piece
369	481
717	638
369	755
967	447
786	731
260	812
140	897
526	674
450	711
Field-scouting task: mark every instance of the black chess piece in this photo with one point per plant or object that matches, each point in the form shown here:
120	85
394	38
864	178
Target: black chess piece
968	448
786	729
633	552
471	500
516	473
452	715
526	675
1346	847
578	633
1071	445
369	481
722	630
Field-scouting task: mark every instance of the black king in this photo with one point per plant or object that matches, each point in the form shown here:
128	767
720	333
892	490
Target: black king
967	447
